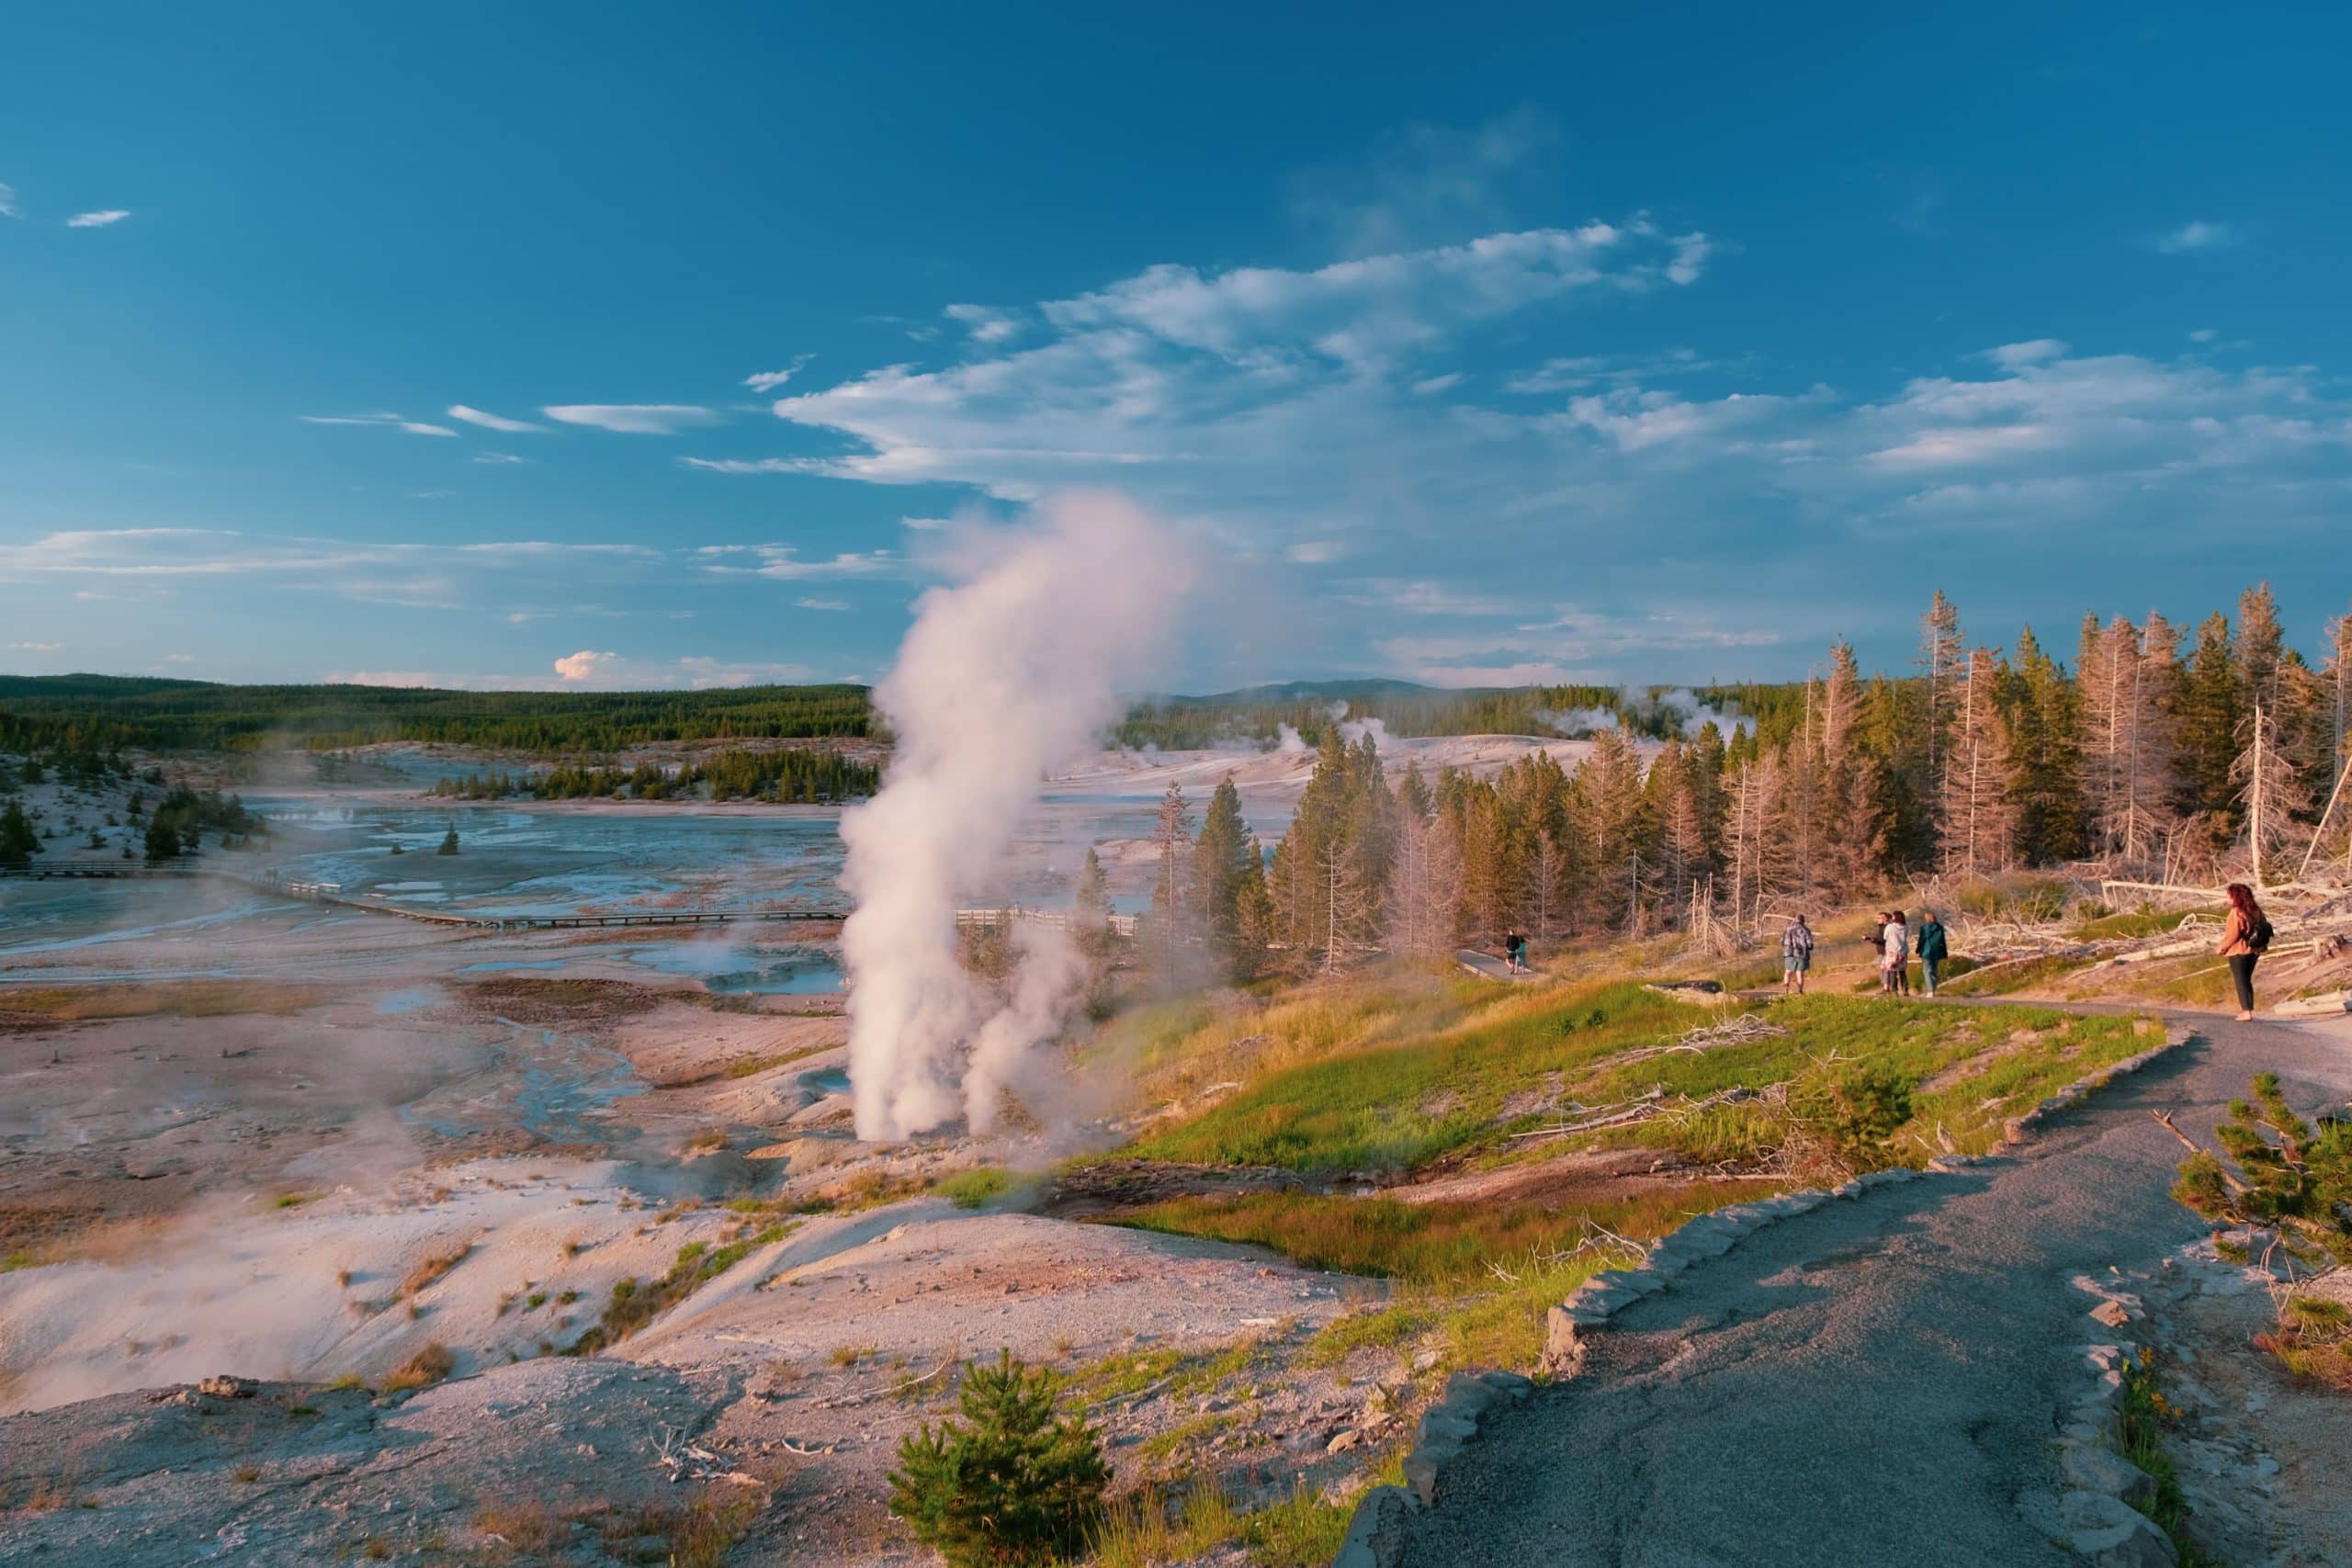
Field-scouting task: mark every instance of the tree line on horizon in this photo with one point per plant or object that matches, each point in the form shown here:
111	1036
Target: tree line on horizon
796	775
2177	755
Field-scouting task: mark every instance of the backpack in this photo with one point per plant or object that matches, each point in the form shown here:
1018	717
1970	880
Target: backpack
2259	933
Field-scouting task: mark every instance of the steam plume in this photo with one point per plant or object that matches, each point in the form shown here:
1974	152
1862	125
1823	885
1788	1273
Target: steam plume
1004	677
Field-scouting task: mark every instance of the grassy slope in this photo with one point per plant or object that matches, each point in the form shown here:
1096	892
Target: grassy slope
1358	1099
1396	1072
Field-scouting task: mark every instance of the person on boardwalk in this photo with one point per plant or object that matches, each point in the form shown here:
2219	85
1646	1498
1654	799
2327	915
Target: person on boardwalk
1796	955
2245	935
1933	948
1515	951
1894	965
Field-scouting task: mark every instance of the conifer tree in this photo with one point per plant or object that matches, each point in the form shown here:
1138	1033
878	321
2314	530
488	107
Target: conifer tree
2260	648
2209	710
1943	666
1224	860
2045	740
17	840
1092	898
1169	924
1607	805
1981	781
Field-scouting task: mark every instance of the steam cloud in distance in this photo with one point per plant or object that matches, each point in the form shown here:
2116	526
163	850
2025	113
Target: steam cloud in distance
1007	676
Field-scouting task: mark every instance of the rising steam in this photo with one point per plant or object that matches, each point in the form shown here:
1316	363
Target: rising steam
1005	676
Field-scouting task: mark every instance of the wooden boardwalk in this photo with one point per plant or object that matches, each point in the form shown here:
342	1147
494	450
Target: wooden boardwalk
1493	969
330	894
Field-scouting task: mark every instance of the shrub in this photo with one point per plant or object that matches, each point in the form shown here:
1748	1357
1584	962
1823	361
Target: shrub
429	1365
1015	1486
2287	1179
1861	1110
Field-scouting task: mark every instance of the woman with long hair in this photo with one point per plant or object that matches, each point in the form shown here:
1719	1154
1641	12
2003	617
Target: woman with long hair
2243	936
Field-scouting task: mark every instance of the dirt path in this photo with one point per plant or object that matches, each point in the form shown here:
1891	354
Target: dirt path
1876	1382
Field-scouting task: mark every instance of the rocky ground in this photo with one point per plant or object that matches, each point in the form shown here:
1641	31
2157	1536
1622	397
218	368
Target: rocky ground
318	1150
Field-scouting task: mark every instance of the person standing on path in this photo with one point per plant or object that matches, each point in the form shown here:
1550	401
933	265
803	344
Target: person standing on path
1933	948
1796	955
2245	936
1894	965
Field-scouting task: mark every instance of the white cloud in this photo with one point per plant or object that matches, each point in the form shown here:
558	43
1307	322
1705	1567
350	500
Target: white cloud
9	207
498	459
583	665
1358	312
769	380
1283	415
633	419
379	421
2204	335
100	219
601	669
783	562
491	421
34	646
179	658
1430	386
2018	355
820	603
2200	234
1943	449
985	323
749	465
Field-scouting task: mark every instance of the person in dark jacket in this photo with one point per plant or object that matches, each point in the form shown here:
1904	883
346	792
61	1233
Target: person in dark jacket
1933	948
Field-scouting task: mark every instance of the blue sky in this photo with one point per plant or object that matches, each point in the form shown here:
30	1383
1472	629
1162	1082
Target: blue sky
598	346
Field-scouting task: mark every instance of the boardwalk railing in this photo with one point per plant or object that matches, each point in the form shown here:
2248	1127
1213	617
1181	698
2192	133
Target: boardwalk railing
1060	920
41	870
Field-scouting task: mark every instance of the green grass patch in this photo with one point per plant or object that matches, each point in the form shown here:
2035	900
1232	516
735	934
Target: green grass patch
971	1188
635	1304
1392	1107
2129	924
1448	1246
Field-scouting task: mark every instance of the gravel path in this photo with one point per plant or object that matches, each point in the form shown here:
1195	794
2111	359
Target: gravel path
1877	1382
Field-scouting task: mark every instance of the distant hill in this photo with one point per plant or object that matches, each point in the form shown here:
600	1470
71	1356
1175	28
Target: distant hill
82	713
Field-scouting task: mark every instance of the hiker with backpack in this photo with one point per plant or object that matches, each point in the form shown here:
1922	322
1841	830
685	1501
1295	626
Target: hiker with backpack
1796	955
1933	948
2245	937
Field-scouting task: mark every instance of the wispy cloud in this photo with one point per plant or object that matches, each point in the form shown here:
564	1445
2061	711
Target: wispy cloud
379	421
34	646
633	419
491	421
1289	415
2201	234
9	207
747	465
813	604
769	380
106	217
1431	185
985	323
784	562
498	459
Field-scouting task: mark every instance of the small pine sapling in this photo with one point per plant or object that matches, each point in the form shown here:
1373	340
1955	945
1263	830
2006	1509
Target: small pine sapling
1013	1487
